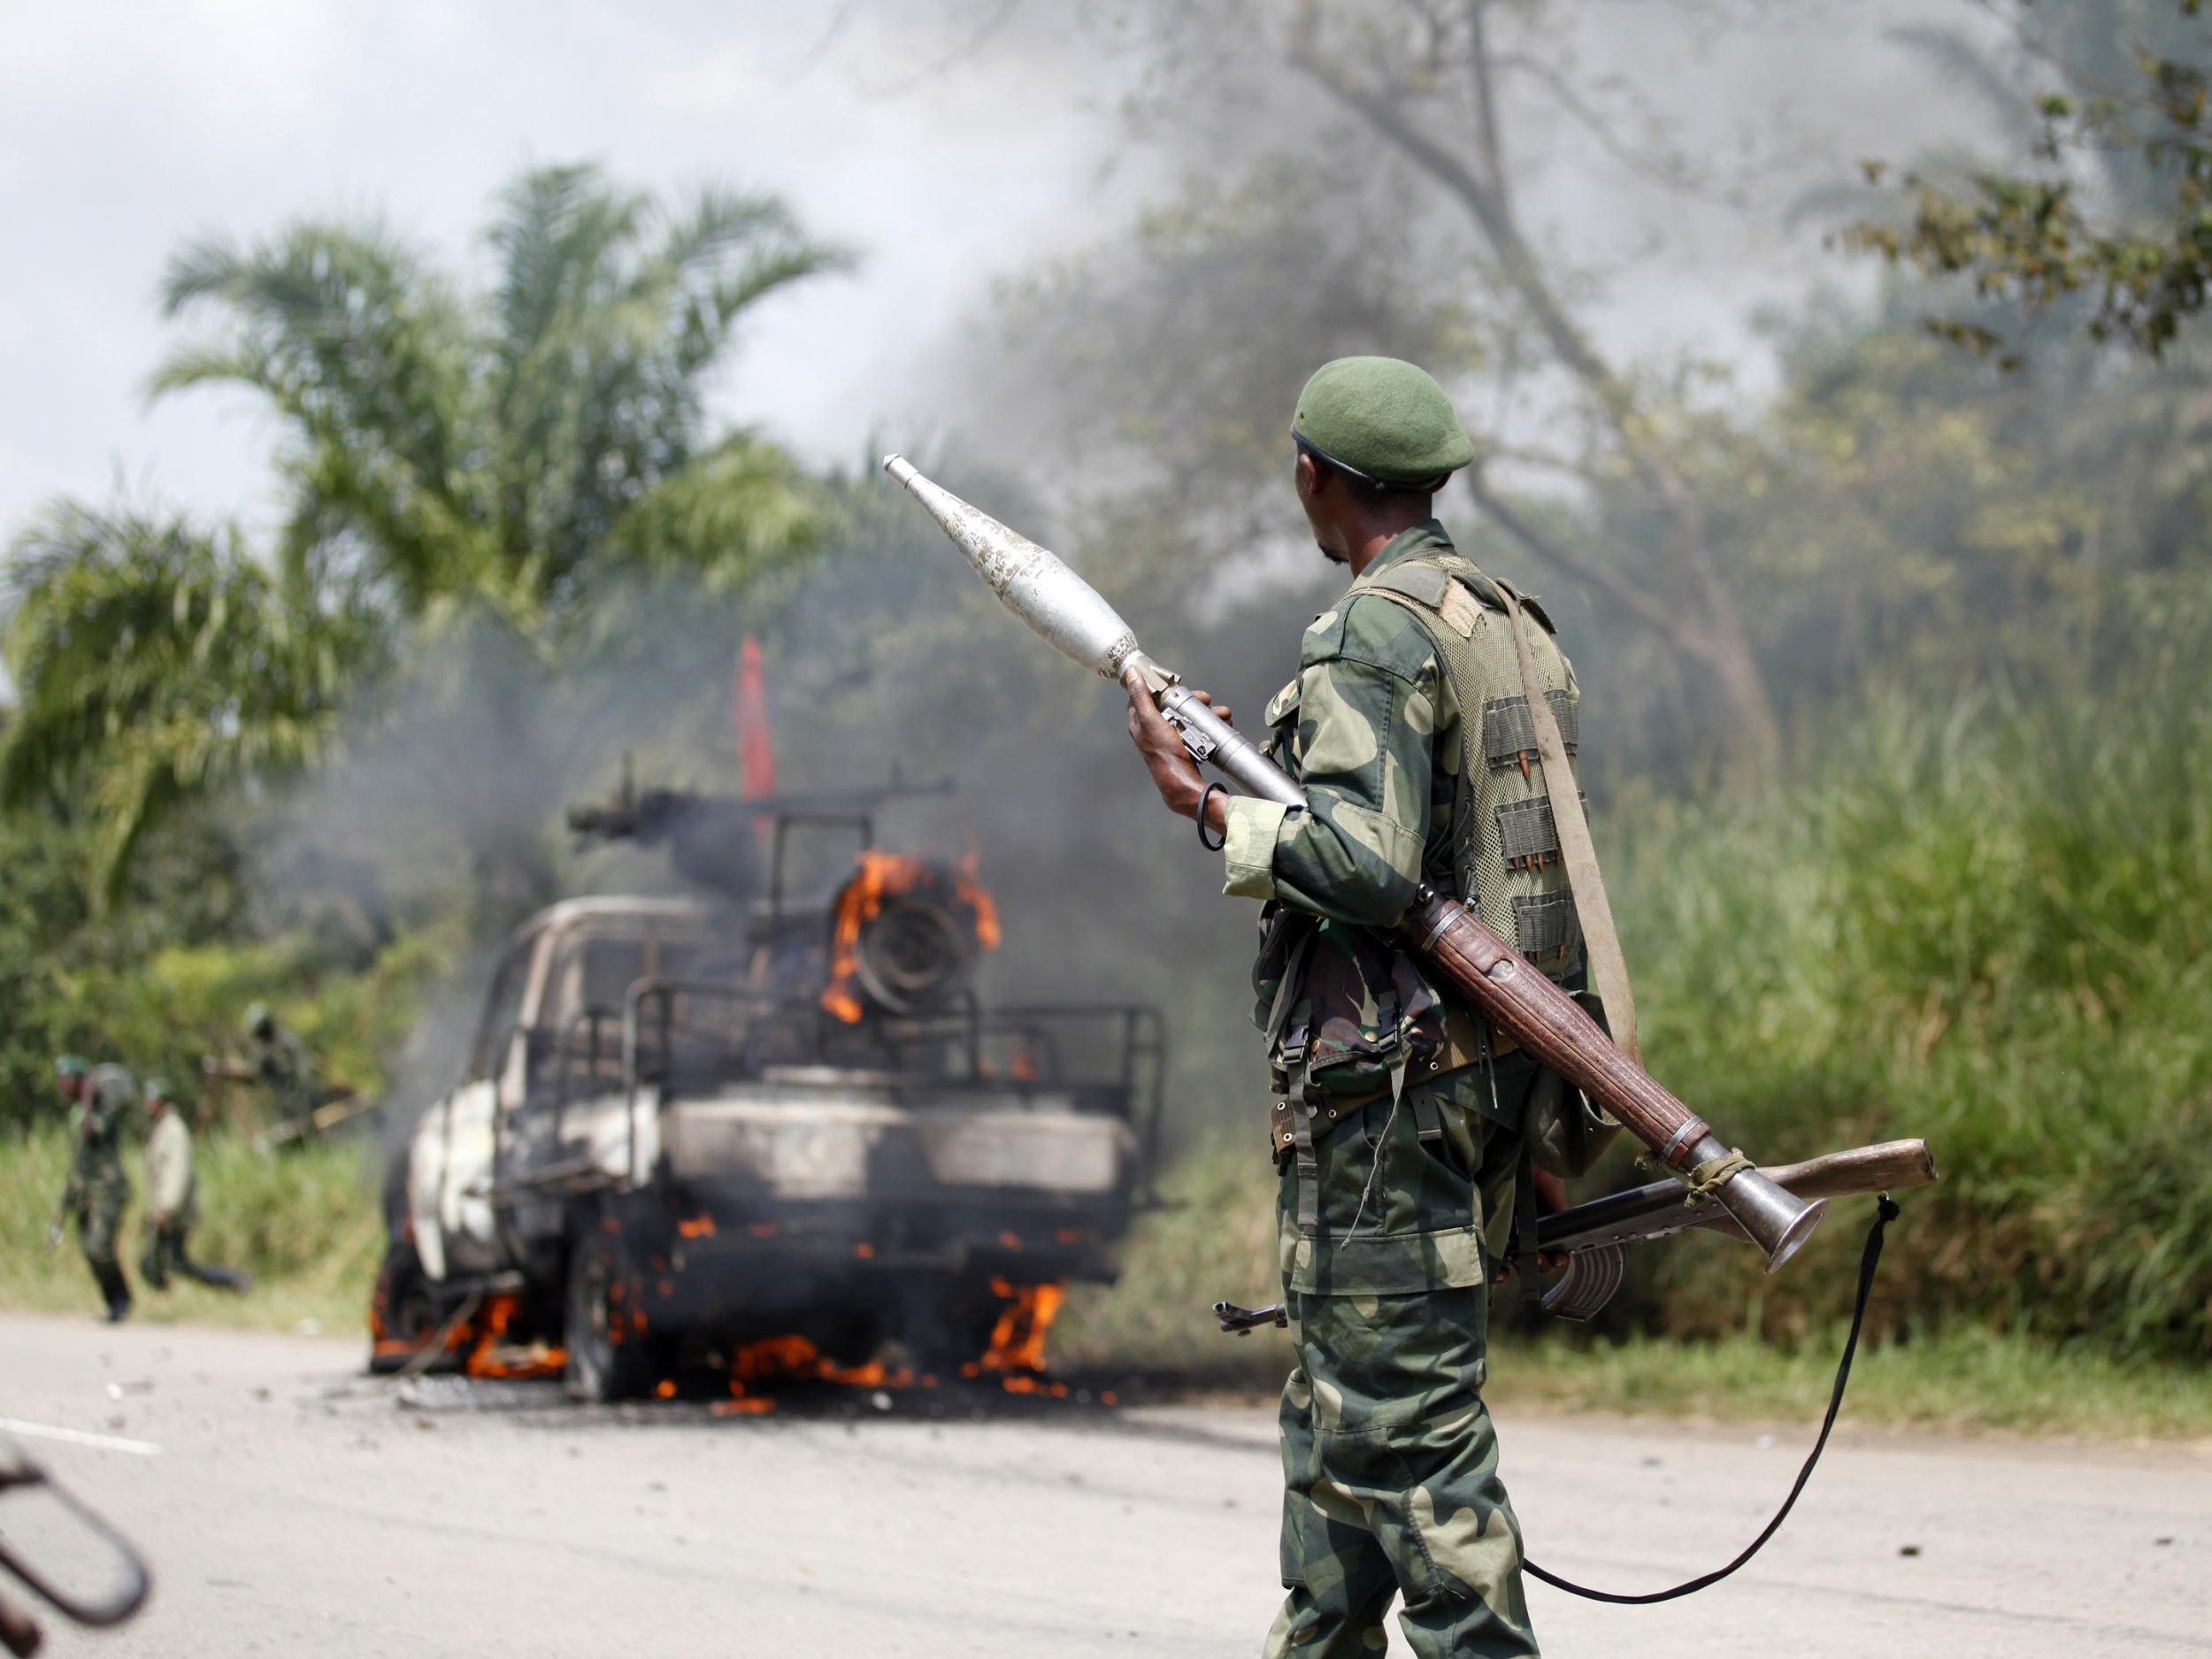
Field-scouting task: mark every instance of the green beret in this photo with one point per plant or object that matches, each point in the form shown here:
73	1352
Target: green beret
1383	418
157	1088
71	1065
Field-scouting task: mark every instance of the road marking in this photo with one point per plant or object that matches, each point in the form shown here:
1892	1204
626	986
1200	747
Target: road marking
78	1436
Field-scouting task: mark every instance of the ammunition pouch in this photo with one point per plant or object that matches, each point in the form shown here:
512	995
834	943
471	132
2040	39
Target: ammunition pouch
1337	1095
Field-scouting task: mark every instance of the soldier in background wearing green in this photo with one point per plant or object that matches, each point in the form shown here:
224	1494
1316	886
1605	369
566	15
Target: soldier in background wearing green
280	1060
1398	1123
98	1191
172	1200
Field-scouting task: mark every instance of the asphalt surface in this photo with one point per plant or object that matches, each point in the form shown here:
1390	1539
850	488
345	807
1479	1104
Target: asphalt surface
292	1506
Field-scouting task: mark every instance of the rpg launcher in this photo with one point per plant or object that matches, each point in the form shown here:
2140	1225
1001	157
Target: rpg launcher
1448	937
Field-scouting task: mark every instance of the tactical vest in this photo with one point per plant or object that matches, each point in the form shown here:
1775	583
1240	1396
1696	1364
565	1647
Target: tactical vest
1503	854
1350	1015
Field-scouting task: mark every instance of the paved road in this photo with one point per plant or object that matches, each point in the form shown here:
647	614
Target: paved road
296	1507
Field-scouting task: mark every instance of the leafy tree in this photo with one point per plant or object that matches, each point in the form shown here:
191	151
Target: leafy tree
157	664
514	446
2116	219
1423	110
454	463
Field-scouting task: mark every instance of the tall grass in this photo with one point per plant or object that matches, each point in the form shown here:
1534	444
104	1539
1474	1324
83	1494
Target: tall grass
1989	930
305	1225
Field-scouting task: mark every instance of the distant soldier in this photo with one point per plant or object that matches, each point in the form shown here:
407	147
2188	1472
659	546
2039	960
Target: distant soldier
98	1191
280	1060
172	1200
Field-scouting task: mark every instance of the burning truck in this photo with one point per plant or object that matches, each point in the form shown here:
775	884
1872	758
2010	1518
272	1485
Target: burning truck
771	1136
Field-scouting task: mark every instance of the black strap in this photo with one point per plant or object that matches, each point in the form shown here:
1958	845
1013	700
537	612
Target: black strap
1886	1212
1205	797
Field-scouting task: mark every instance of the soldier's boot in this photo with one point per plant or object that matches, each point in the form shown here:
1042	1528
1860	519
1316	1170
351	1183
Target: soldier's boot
221	1277
116	1288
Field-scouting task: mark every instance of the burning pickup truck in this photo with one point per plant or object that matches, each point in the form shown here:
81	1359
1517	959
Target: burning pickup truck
769	1138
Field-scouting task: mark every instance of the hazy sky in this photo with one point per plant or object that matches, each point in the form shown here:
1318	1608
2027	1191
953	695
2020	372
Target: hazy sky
126	127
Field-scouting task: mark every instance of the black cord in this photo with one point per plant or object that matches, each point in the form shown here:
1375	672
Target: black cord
1205	796
1886	1212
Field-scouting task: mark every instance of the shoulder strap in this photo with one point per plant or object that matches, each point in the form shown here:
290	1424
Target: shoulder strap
1592	907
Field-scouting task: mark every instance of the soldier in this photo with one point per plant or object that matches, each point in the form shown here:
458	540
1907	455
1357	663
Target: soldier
98	1191
172	1200
1408	727
280	1060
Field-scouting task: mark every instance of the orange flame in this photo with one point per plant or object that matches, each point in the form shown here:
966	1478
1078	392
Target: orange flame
485	1359
885	876
978	898
882	876
1017	1341
758	1366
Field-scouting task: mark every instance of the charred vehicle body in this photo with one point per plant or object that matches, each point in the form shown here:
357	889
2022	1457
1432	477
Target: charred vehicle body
688	1126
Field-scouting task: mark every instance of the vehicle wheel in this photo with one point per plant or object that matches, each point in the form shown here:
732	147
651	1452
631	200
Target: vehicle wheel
607	1359
948	1325
403	1315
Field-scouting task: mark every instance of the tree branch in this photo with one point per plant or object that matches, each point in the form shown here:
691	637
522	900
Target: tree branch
1487	103
1615	586
1491	217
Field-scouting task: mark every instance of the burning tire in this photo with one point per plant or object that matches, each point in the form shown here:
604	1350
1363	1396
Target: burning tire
403	1311
609	1354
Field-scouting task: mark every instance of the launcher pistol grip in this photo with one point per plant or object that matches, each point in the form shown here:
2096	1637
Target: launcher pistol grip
1243	1321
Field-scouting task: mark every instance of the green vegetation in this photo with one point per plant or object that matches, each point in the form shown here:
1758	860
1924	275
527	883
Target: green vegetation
2115	221
454	464
305	1224
1895	741
1218	1240
1989	930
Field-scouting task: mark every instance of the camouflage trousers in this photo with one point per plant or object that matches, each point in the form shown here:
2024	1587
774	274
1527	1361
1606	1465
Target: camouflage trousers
99	1225
99	1222
166	1253
1390	1464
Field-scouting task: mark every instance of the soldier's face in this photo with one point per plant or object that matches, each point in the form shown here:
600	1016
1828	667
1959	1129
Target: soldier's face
1313	496
71	1088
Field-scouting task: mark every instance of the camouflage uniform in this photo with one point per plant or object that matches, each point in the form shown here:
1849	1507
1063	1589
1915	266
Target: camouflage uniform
1390	1461
99	1191
281	1061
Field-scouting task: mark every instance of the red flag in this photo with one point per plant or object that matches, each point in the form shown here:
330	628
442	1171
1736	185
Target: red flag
749	714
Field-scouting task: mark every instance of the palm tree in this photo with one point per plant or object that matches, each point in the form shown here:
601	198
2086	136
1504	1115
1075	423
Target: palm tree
452	459
154	663
510	447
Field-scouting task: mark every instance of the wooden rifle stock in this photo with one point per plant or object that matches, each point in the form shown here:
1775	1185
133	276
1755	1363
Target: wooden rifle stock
1656	1210
1549	1024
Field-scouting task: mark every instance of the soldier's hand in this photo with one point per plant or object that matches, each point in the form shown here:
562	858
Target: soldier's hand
1174	774
53	1235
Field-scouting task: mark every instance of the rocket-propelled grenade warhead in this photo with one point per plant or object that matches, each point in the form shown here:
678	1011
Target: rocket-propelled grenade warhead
1075	620
1030	581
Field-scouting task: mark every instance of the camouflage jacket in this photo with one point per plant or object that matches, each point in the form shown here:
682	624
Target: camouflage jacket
1370	729
282	1062
95	1170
